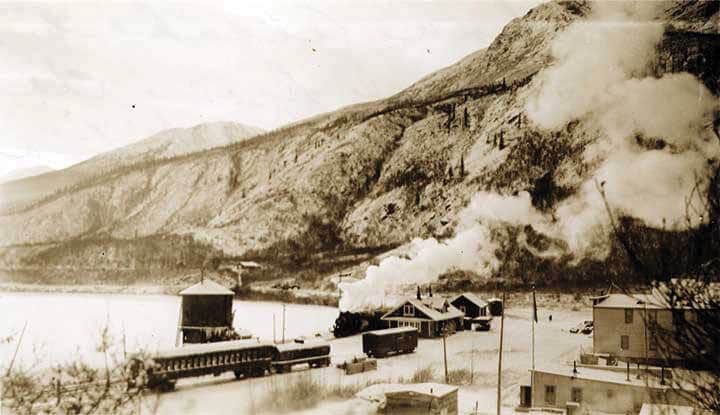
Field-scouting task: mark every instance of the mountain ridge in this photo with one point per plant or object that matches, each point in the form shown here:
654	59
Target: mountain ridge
168	143
368	175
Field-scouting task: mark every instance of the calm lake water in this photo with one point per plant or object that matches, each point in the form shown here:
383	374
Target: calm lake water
66	326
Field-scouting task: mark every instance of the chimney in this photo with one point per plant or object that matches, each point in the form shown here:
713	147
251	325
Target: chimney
418	293
430	290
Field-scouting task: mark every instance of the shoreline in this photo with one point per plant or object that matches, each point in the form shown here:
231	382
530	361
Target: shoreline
246	294
548	299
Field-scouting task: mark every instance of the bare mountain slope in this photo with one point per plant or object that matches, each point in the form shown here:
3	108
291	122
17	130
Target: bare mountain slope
166	144
374	174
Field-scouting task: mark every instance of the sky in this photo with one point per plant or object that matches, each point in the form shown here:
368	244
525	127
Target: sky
82	78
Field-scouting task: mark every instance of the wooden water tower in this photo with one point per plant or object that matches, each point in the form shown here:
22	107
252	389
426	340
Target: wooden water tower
205	313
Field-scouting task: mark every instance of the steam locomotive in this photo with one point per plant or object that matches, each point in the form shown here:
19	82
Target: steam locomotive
349	323
242	357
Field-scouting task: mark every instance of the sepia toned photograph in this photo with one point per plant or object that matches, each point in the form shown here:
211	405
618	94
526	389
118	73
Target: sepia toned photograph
358	207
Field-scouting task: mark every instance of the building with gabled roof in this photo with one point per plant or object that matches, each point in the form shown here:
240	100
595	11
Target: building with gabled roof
475	309
637	327
431	316
205	312
579	390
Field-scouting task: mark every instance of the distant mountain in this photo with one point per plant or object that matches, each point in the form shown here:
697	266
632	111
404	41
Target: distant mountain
22	173
172	143
372	175
163	145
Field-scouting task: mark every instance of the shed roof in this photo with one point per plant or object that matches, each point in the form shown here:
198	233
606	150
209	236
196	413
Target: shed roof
249	264
473	298
437	390
607	376
206	287
431	307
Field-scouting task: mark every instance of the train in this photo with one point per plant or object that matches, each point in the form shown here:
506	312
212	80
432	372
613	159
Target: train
349	323
380	343
242	357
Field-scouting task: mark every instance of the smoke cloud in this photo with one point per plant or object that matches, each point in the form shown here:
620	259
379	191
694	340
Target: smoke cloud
473	248
655	142
654	147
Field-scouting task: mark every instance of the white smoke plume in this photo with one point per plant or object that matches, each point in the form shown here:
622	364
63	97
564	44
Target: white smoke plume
473	248
601	76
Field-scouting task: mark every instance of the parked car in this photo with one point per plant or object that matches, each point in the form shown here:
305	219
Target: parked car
582	327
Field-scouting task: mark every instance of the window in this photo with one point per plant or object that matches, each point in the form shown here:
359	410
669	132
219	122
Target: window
652	318
628	316
576	395
408	310
652	341
415	324
550	394
624	342
462	308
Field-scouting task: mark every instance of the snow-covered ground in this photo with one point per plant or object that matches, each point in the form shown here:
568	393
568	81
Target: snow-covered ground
476	351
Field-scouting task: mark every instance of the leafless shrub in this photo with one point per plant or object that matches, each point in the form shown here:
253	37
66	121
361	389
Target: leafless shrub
77	387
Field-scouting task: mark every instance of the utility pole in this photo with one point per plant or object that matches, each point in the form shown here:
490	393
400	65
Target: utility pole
445	352
283	325
500	352
472	364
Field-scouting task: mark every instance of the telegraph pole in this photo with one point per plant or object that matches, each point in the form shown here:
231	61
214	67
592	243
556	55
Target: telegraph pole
283	325
445	352
500	353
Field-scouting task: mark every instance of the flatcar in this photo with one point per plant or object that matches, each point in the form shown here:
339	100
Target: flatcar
380	343
242	357
315	354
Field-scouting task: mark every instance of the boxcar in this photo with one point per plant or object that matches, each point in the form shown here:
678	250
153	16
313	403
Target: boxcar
315	354
244	358
380	343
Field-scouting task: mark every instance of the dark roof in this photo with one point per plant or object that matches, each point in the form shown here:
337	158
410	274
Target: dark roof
473	299
206	287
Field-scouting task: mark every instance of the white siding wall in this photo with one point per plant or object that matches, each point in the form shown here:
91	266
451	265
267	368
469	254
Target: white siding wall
599	396
610	326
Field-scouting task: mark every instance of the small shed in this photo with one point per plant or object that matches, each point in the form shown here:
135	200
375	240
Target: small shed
417	398
205	312
496	306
